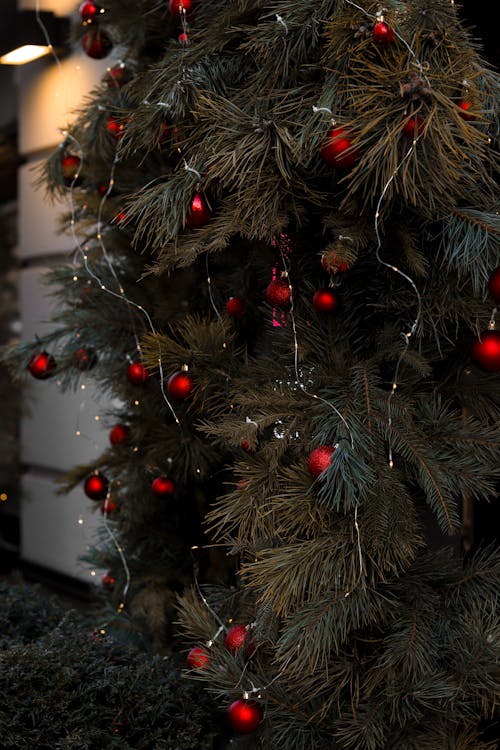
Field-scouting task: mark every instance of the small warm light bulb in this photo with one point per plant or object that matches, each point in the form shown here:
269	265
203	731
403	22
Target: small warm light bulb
97	417
3	496
93	573
80	521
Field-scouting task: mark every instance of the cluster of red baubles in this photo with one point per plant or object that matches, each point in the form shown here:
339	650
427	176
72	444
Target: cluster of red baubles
96	43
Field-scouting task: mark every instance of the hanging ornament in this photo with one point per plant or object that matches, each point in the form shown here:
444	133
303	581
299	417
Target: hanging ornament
118	76
70	167
108	581
197	658
198	214
319	460
464	107
247	446
115	127
41	366
108	506
236	307
96	486
485	351
325	301
237	637
180	385
89	12
96	44
85	359
332	263
244	716
137	374
278	293
119	434
413	126
494	285
183	38
338	150
180	7
162	487
382	33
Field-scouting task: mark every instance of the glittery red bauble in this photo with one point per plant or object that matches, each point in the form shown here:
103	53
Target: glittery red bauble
108	581
96	487
85	359
108	506
382	33
338	150
88	11
412	127
179	386
70	167
162	487
137	374
244	716
179	7
494	285
319	460
199	213
278	294
96	44
465	106
485	351
119	434
324	300
236	307
333	264
237	637
197	658
41	366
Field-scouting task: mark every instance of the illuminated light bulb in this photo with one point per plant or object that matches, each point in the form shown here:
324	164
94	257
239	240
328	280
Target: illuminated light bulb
3	497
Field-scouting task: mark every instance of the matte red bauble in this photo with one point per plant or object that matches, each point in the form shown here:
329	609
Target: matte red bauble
115	127
382	33
85	359
96	487
199	213
464	106
338	150
324	300
108	581
96	44
137	374
41	365
236	307
88	12
119	434
108	506
319	460
485	351
162	487
179	7
412	127
179	386
244	716
70	167
279	294
494	285
197	658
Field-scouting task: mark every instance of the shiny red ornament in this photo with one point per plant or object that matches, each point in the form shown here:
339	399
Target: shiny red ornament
108	581
179	386
236	307
338	150
162	487
96	44
70	167
245	716
412	127
119	434
485	351
96	487
382	33
319	460
494	285
278	294
464	106
237	637
41	366
180	7
88	12
115	127
85	359
137	374
197	658
119	75
183	38
325	300
108	506
199	213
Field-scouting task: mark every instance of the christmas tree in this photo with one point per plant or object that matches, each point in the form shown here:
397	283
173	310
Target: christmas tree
286	264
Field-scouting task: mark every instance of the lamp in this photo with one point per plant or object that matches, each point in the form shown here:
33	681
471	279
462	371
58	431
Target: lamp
22	37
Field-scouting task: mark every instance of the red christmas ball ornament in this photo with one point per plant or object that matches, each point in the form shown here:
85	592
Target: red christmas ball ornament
108	506
325	301
494	285
70	168
119	75
119	434
180	7
465	106
88	12
236	307
96	44
278	294
382	33
485	351
237	637
197	658
179	385
199	213
319	460
338	150
247	446
183	38
41	366
162	487
85	359
137	374
96	487
115	127
108	581
412	127
331	263
245	716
